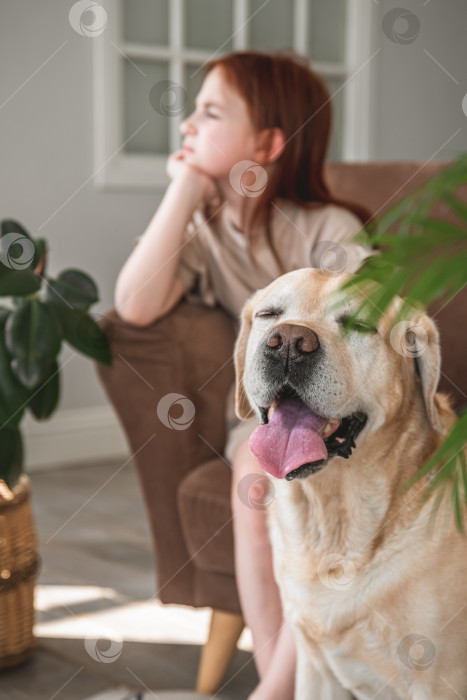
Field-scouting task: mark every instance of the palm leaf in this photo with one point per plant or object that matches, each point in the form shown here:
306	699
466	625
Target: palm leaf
423	259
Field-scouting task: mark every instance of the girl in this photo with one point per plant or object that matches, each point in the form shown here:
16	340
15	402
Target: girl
246	203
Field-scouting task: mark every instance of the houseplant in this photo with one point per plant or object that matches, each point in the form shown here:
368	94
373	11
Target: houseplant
423	258
37	314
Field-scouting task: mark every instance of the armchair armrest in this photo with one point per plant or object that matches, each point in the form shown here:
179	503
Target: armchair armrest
187	352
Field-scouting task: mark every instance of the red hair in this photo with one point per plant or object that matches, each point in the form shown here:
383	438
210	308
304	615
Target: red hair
280	90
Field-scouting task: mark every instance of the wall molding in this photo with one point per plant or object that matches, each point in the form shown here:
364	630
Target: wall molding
73	436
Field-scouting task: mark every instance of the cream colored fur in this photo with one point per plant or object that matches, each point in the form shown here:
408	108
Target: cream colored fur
378	606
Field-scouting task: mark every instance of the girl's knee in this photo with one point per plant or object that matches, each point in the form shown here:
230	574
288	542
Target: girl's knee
251	488
244	465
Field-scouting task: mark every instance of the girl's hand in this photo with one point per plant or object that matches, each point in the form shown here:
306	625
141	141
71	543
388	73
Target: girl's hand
179	169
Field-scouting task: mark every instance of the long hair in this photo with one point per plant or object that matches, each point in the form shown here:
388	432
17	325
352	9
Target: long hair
280	90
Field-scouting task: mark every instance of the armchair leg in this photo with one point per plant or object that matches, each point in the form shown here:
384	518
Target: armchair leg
224	632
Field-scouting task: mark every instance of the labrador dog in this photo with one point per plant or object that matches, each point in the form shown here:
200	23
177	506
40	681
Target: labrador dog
378	605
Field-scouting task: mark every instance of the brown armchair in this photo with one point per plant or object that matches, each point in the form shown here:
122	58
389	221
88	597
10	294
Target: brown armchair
178	453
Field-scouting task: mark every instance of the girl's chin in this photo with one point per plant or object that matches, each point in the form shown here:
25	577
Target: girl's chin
197	162
209	169
213	173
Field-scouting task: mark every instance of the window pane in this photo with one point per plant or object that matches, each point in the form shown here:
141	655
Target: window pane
194	76
146	21
208	24
326	30
272	25
147	97
337	93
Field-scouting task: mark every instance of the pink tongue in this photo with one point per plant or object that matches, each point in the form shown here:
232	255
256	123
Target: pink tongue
291	438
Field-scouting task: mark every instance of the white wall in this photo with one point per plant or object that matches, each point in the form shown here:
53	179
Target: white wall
420	85
46	151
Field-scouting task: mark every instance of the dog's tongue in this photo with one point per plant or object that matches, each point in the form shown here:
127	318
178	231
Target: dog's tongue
291	438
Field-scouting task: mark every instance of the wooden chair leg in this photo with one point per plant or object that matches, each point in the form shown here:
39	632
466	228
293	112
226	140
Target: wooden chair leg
224	633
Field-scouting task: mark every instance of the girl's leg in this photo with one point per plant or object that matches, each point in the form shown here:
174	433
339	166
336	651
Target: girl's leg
273	644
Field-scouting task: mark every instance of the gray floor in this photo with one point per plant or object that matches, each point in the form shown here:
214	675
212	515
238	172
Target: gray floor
99	625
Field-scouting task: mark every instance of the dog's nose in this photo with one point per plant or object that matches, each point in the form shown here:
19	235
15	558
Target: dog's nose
292	341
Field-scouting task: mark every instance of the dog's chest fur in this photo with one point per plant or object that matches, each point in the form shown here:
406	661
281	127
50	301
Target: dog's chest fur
328	592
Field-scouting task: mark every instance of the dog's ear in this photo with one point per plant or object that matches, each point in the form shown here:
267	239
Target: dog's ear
423	343
242	405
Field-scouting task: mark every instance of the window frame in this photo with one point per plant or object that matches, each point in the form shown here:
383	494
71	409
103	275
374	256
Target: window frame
117	169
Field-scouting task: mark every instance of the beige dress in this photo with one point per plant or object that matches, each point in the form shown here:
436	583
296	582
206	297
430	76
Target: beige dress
215	267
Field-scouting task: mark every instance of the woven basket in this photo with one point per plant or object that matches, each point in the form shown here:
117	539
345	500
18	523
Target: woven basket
18	571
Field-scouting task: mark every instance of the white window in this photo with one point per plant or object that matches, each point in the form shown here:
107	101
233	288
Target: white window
149	60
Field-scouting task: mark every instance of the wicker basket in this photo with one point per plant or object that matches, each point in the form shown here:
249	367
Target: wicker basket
18	572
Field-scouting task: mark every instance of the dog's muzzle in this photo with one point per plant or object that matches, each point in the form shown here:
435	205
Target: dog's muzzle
293	440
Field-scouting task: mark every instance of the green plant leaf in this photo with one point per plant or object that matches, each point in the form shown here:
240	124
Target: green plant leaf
13	395
17	249
17	283
44	398
387	219
455	495
448	453
20	255
72	288
33	339
423	259
450	464
82	332
12	226
11	455
4	313
460	208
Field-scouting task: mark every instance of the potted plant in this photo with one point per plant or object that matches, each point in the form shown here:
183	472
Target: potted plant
423	258
37	314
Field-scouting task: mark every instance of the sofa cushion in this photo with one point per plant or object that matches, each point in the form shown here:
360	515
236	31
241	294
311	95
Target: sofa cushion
206	516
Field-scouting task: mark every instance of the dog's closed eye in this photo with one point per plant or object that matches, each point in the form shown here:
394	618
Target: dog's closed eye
269	312
352	323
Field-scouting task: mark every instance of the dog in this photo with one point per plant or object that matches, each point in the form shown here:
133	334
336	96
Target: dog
378	605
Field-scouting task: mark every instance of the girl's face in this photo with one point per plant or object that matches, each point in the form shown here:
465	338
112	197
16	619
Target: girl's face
218	134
